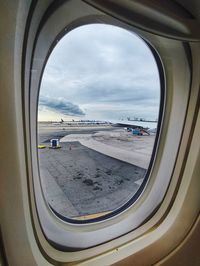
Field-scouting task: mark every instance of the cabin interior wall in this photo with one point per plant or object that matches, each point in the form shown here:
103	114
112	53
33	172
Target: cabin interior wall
15	217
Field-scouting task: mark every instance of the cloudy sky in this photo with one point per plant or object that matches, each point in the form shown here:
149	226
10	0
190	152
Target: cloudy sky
99	72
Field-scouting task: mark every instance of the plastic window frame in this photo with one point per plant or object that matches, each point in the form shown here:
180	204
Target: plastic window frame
72	237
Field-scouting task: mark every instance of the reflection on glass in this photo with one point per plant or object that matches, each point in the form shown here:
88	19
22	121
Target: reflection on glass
97	119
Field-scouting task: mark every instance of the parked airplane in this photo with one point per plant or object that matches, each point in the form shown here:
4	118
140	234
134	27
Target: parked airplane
163	226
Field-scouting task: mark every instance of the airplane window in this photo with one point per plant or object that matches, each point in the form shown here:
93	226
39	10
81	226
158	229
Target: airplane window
98	109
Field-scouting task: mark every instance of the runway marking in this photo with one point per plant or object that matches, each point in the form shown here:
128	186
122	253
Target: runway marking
92	216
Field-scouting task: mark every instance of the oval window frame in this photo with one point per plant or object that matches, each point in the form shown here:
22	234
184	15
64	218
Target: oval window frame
138	193
74	231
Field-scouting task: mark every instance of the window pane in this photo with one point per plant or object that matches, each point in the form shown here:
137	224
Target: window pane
97	119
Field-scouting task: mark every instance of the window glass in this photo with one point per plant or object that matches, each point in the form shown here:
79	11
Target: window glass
97	118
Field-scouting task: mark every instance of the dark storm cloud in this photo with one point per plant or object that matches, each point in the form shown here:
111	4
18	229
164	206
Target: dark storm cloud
60	105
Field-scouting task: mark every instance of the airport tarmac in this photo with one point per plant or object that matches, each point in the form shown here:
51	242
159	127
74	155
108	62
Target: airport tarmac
91	172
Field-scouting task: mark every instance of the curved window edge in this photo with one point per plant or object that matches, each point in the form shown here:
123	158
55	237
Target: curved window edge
109	222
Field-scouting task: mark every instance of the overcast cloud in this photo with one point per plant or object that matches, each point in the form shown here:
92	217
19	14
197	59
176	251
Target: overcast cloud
100	72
